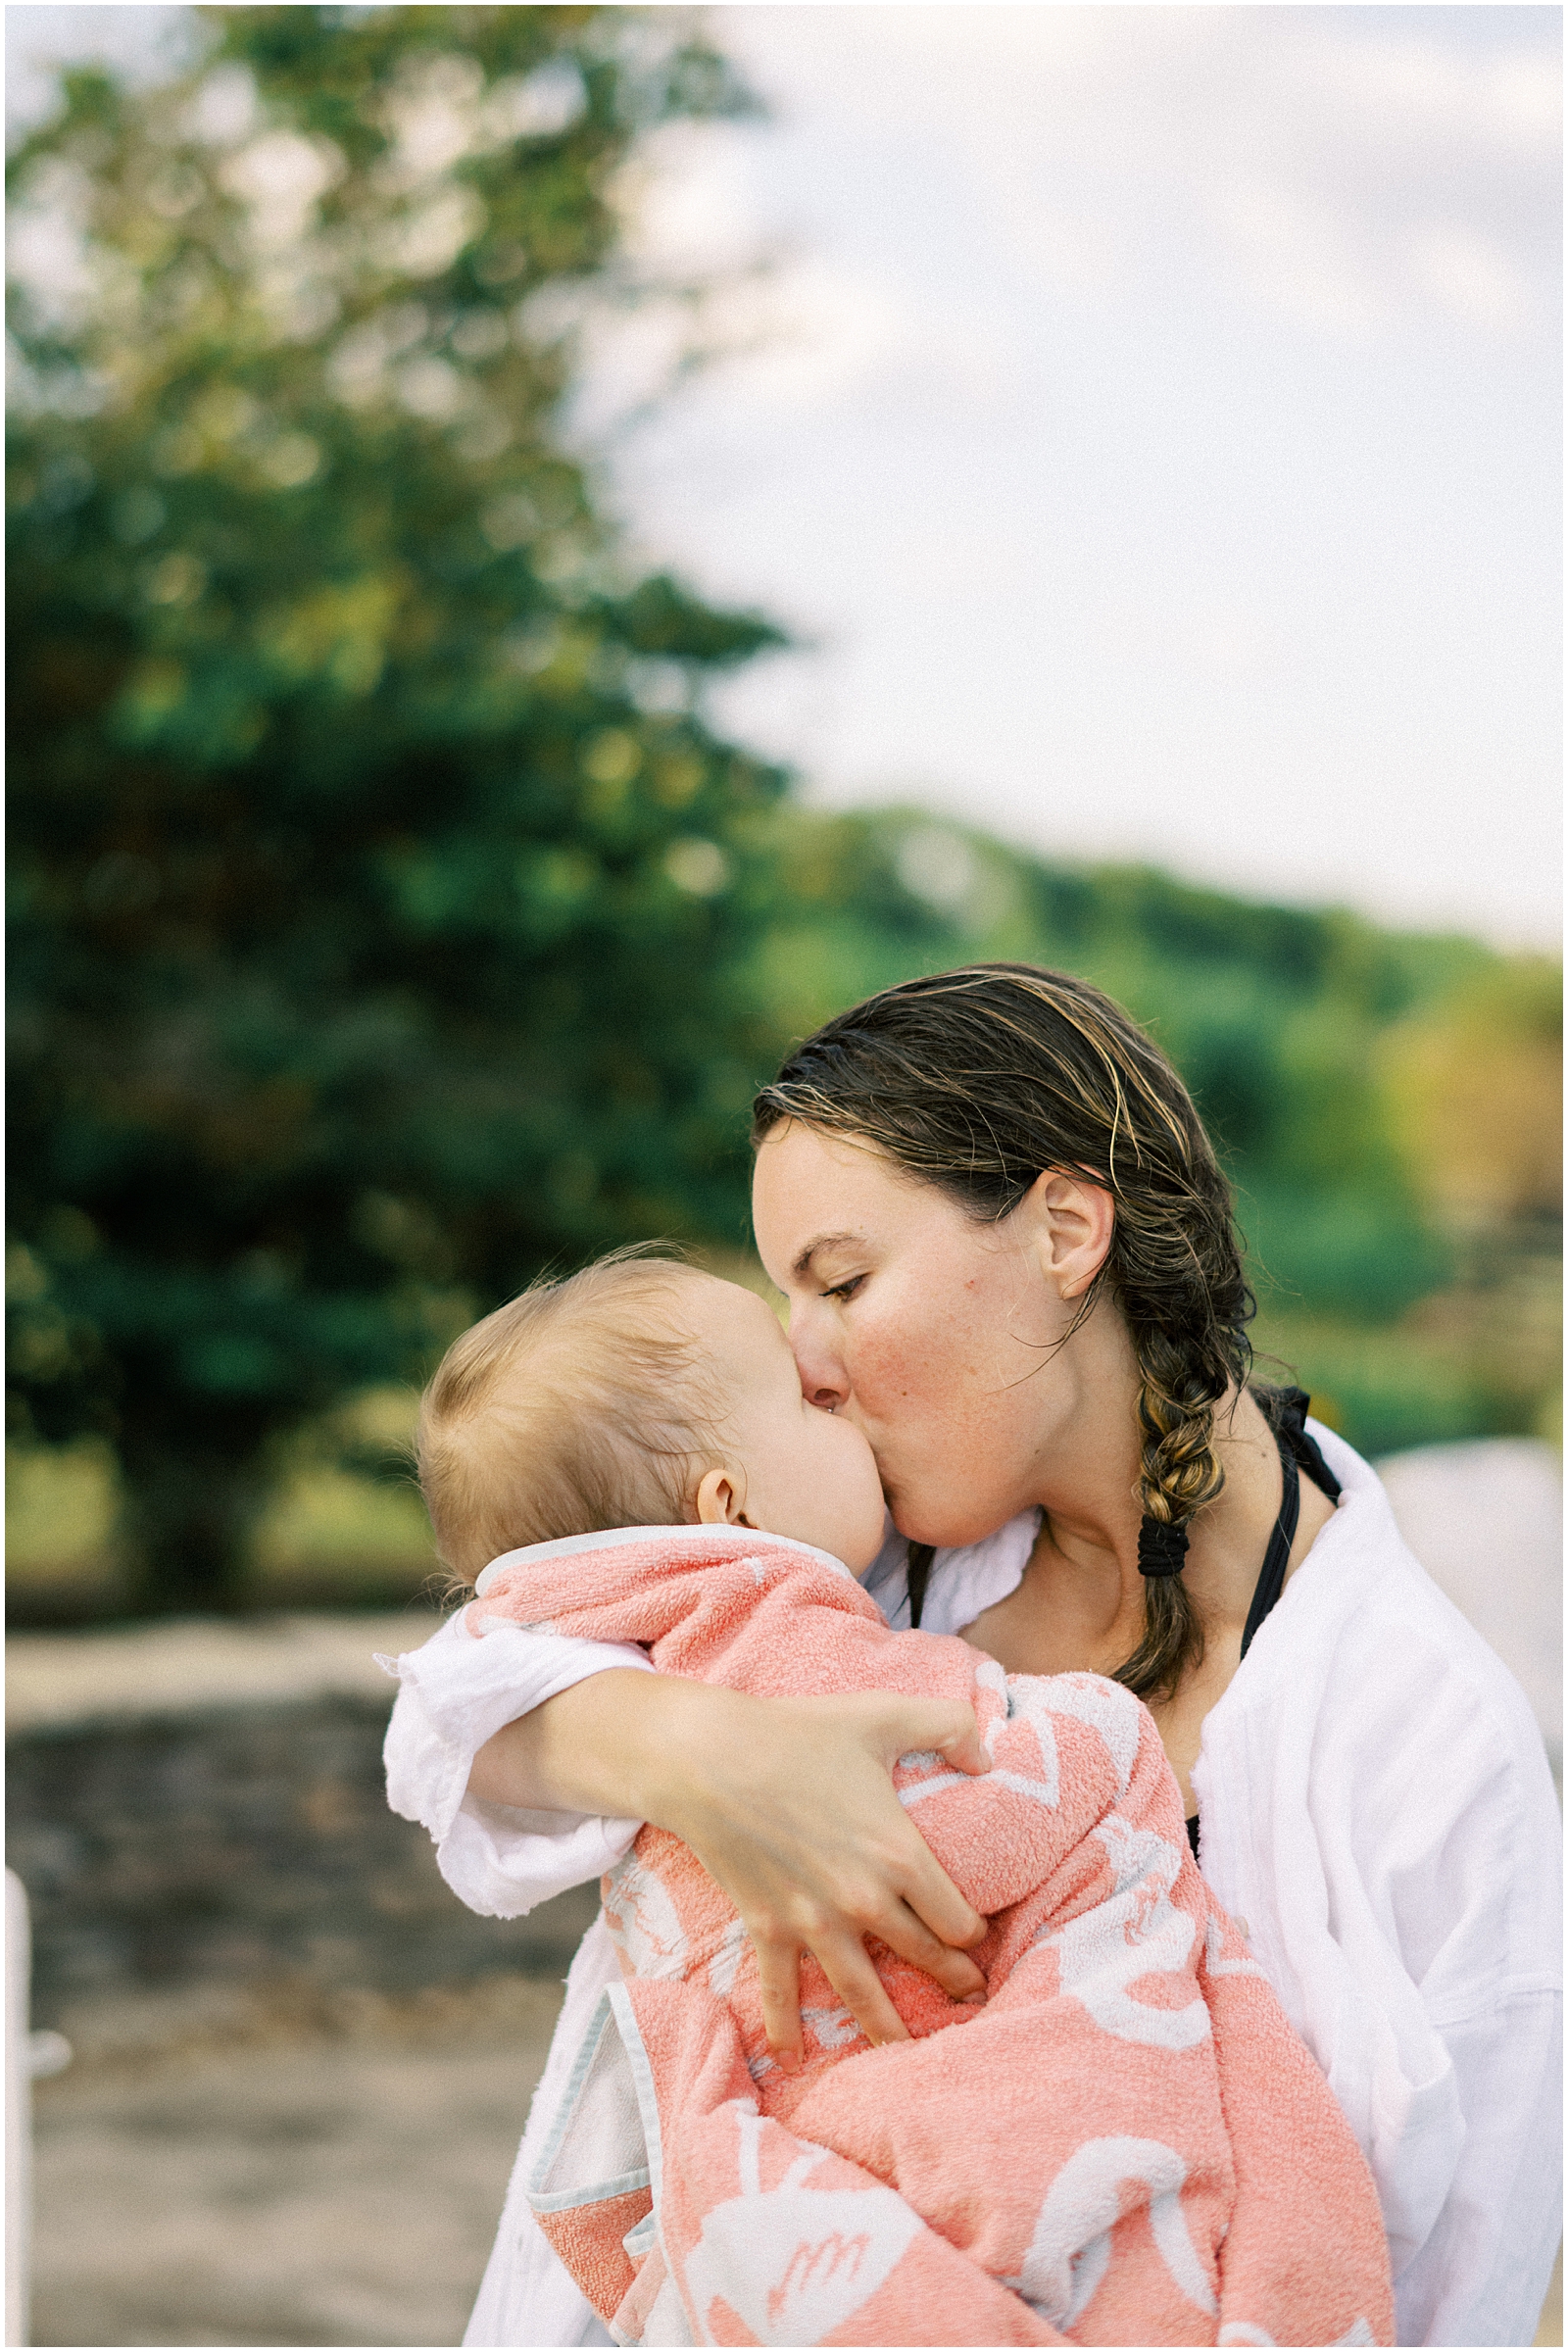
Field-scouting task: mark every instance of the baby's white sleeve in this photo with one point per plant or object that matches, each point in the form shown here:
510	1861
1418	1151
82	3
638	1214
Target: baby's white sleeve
453	1695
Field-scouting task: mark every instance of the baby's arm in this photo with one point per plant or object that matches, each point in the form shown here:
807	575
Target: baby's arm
500	1853
788	1803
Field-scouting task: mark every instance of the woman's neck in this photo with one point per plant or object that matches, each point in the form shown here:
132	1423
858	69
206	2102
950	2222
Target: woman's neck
1081	1604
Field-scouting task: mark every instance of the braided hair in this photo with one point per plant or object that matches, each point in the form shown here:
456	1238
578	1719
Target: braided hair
979	1080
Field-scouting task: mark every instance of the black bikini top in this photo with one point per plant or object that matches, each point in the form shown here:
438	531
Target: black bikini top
1298	1452
1286	1410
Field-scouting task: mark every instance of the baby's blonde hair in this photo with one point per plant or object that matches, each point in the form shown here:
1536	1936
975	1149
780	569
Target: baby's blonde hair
580	1404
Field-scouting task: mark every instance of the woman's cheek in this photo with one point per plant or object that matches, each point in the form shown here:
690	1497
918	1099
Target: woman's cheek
879	1383
907	1394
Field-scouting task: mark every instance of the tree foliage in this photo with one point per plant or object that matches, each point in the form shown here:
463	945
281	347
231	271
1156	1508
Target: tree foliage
375	875
388	918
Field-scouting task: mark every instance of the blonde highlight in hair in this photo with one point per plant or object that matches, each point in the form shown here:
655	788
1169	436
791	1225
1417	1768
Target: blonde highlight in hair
978	1081
580	1404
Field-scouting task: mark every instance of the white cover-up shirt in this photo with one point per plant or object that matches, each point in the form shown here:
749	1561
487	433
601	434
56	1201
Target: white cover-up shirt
1374	1800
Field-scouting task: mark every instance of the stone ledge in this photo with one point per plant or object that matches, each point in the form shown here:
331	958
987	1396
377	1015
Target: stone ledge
246	1842
199	1666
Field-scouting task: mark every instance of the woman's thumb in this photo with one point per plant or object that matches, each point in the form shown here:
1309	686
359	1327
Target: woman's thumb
947	1725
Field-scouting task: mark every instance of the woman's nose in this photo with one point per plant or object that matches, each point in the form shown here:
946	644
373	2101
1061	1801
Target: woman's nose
822	1379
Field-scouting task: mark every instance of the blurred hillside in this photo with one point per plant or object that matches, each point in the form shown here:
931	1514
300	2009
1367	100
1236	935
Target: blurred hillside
1387	1105
391	921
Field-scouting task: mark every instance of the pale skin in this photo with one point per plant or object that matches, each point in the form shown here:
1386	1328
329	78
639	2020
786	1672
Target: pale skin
783	1463
939	1339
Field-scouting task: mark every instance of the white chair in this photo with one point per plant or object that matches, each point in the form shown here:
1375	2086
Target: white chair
28	2055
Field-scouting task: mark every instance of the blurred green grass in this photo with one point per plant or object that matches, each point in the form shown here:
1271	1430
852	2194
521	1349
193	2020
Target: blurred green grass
1388	1389
333	1537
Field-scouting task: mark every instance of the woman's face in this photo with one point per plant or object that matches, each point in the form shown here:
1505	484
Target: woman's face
931	1332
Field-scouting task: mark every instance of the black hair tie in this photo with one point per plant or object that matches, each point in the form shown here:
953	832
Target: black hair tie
1161	1549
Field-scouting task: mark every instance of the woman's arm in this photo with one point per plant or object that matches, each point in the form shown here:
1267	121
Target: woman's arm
788	1803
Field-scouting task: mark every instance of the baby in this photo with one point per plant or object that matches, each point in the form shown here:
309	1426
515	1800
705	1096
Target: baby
1126	2144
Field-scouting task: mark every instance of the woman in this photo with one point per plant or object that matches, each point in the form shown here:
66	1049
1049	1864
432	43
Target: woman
1008	1253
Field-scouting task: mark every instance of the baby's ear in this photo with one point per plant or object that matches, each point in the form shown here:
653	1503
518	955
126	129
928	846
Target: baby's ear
718	1499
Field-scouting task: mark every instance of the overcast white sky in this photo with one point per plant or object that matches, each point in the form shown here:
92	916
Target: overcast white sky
1156	433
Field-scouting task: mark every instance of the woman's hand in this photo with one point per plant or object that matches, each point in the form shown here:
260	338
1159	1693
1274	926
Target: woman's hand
788	1802
797	1820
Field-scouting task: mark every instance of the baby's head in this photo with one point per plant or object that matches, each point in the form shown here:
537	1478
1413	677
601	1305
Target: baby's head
640	1392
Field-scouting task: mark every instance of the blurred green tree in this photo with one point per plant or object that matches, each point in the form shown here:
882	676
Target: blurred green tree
377	883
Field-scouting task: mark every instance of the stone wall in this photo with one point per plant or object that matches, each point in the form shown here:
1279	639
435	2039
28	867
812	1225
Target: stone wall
241	1840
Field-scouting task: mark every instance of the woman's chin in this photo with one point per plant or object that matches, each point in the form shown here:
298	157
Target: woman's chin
944	1530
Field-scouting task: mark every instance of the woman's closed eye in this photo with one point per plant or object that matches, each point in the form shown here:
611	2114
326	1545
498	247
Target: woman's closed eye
845	1289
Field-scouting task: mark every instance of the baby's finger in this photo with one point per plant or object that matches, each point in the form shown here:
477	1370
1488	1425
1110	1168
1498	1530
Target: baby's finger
778	1965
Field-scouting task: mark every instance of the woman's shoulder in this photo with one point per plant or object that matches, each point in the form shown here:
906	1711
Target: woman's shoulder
1366	1640
1375	1780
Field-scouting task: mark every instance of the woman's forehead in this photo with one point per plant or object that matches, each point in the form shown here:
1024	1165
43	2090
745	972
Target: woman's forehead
800	1163
812	1191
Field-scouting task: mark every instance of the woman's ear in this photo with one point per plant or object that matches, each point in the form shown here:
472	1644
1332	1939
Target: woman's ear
1072	1220
719	1502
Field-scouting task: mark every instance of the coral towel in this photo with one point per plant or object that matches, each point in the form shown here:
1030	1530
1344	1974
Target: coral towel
1127	2144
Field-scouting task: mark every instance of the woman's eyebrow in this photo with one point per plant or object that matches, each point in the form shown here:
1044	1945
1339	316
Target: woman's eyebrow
823	1241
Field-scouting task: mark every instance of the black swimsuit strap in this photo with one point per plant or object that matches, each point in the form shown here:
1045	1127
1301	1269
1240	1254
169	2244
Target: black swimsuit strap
1298	1452
1271	1577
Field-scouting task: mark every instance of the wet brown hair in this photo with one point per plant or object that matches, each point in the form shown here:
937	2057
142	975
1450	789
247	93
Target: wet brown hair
979	1080
580	1404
